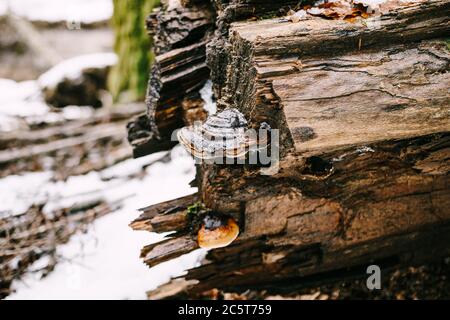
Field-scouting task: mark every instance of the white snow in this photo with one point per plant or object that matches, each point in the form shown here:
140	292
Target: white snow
172	4
12	91
19	100
72	68
24	99
207	95
24	108
8	123
76	112
85	11
105	263
18	193
3	8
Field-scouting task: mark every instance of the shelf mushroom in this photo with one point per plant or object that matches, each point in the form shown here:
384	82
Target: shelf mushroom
217	232
223	135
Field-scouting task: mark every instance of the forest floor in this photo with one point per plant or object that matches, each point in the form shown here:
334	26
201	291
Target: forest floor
425	282
68	184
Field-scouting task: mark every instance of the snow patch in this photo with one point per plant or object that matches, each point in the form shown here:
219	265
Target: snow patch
3	8
76	112
8	123
207	95
19	100
84	11
72	69
104	262
19	192
17	91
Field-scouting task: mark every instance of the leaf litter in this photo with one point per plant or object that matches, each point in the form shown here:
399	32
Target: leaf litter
347	10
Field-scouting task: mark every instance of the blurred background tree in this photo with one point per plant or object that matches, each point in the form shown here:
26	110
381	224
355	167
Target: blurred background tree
128	79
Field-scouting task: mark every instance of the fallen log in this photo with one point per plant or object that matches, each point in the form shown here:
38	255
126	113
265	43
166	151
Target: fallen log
34	235
107	131
363	177
71	144
178	73
166	216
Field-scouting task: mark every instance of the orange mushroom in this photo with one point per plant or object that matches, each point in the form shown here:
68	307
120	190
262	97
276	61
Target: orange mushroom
217	232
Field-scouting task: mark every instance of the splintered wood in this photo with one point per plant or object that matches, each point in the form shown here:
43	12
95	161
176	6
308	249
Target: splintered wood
165	217
363	113
179	72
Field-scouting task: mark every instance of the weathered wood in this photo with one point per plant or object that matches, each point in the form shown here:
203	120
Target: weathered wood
100	132
277	49
300	232
363	111
163	217
166	207
55	130
172	289
178	73
34	235
362	98
166	216
175	76
229	11
167	250
175	26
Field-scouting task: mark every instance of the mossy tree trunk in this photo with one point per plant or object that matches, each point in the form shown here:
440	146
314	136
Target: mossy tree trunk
128	79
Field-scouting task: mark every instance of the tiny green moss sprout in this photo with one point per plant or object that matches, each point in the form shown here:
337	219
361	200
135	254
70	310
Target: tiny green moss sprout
195	208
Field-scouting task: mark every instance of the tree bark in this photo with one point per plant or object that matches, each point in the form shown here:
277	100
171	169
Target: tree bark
179	72
363	114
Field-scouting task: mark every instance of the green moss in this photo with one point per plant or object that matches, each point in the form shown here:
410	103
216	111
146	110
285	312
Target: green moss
128	79
447	41
195	209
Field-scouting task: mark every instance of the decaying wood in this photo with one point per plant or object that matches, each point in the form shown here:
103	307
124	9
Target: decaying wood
165	216
328	104
277	49
69	142
33	235
363	112
64	129
301	232
167	250
97	133
176	26
174	288
177	75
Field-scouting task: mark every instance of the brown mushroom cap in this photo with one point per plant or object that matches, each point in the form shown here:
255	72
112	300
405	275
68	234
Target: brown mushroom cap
217	232
223	135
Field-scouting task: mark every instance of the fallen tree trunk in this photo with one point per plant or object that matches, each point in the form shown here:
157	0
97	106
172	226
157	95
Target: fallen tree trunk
74	145
33	235
178	73
363	113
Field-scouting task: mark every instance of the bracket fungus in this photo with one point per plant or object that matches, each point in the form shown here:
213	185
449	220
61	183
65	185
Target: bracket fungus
217	231
222	135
